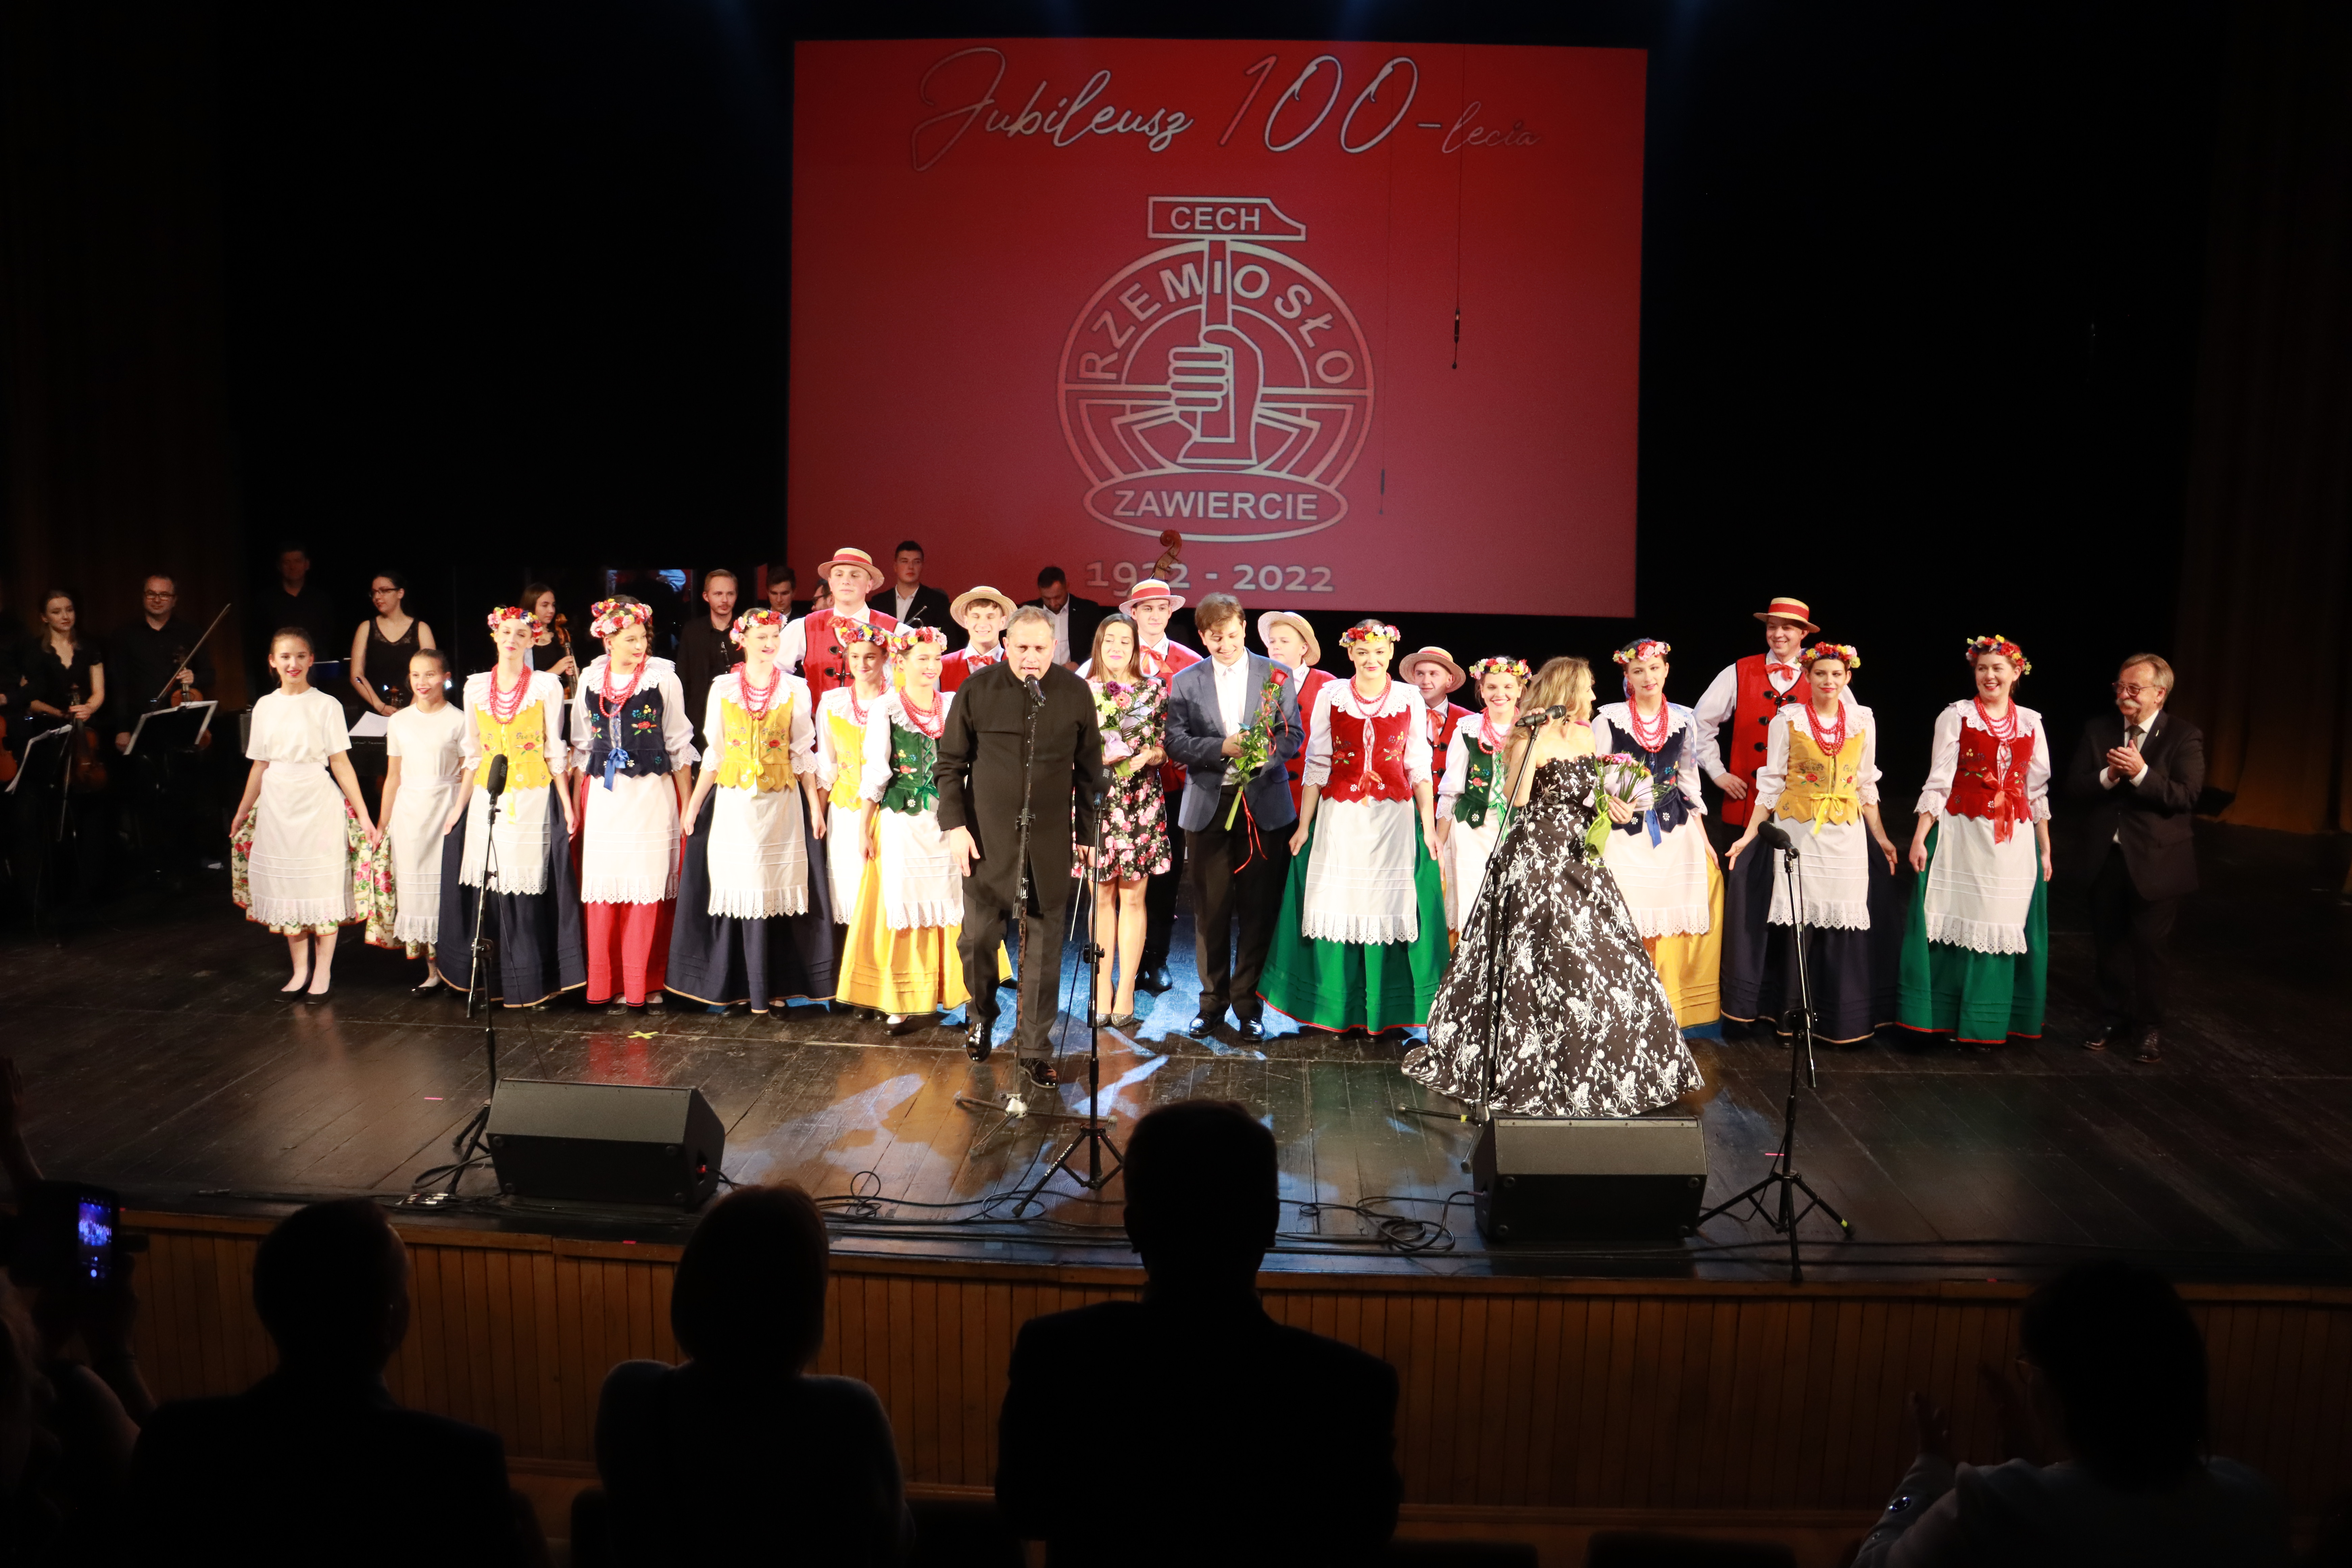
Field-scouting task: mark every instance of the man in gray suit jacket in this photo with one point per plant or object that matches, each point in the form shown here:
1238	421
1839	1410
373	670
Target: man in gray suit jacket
1237	871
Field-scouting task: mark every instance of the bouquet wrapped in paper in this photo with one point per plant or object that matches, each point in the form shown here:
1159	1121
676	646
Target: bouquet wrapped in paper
1131	715
1623	778
1257	737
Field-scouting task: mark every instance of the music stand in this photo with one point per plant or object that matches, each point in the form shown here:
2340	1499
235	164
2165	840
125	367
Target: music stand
171	728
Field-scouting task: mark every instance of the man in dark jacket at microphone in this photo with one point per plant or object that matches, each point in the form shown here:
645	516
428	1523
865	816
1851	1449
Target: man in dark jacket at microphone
1023	717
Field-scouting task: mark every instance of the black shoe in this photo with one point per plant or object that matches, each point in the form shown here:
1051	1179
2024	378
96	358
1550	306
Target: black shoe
1041	1072
1200	1026
2107	1036
2149	1050
979	1038
1153	979
1252	1030
430	983
329	991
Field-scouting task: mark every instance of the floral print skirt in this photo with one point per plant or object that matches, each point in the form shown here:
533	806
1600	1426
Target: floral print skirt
1134	829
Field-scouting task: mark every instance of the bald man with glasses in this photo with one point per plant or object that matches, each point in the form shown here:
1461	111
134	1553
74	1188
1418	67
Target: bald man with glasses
2140	770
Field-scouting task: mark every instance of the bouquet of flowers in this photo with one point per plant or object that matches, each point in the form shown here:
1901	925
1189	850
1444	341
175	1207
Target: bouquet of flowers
1623	777
1257	737
1129	714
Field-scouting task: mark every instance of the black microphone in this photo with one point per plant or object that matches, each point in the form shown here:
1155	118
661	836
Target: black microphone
496	782
1773	835
1540	716
1036	692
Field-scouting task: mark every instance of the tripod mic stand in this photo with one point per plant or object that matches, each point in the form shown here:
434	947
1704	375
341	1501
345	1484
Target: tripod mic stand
1092	1136
471	1146
1781	1182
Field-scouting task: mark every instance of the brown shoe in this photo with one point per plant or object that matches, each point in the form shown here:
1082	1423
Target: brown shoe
2148	1051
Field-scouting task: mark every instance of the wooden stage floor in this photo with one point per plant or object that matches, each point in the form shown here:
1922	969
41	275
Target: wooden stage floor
159	1059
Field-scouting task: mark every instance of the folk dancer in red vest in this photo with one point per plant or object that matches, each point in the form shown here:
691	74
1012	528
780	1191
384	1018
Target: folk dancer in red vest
1156	654
1470	805
1360	946
1289	640
1976	951
812	644
1661	858
1437	676
1737	707
981	613
1820	779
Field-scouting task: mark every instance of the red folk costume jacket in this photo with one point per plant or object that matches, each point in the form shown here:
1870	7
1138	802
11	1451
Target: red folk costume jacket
1166	661
1741	744
823	664
1368	756
1443	722
1982	787
1309	684
963	664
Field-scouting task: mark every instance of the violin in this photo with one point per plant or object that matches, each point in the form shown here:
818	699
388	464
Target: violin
88	773
561	628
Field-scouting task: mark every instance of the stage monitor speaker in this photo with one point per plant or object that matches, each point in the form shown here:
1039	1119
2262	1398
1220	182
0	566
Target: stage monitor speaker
606	1143
1547	1179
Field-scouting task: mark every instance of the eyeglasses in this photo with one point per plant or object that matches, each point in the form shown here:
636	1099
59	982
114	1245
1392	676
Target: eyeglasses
160	593
2133	688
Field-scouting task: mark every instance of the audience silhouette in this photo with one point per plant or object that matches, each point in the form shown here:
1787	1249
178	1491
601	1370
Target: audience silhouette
2111	1389
738	1454
1189	1427
315	1463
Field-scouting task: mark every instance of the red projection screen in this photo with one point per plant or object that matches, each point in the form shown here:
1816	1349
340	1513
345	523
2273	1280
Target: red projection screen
1361	322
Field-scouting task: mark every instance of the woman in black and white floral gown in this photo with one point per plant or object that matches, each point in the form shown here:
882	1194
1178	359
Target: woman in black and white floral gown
1586	1028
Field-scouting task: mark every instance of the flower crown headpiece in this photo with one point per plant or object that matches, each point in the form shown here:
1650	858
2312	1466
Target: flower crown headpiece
506	613
1517	668
1980	646
1643	647
908	638
608	618
1355	635
751	619
866	631
1845	652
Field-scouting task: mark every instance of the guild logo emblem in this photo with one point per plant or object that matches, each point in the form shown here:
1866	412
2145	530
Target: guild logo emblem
1217	386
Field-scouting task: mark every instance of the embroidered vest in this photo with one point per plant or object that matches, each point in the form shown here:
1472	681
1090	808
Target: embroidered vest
1742	741
822	665
1672	809
1982	787
1477	797
914	787
523	743
1821	788
1368	756
849	751
757	753
638	752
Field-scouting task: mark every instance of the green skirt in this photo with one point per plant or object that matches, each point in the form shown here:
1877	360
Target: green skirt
1350	985
1982	998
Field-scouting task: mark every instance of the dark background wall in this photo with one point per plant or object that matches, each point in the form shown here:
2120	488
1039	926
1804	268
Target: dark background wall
502	291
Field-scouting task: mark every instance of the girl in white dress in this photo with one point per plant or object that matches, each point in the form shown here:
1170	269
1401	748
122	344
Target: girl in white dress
513	861
1662	859
633	742
304	800
841	718
425	776
1470	810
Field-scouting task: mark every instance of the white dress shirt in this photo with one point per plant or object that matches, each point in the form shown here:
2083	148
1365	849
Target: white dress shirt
904	599
1061	632
1233	696
2107	779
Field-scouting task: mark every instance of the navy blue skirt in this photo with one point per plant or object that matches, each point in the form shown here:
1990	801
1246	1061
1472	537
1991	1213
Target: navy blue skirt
1854	973
542	949
722	960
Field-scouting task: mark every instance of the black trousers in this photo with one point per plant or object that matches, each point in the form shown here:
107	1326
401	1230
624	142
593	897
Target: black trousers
1236	878
2129	934
1159	892
1040	928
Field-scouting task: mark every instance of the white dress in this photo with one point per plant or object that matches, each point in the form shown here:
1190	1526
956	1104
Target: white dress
524	815
299	874
1359	871
1666	883
840	759
1979	889
628	837
1832	857
431	752
758	849
921	885
1466	849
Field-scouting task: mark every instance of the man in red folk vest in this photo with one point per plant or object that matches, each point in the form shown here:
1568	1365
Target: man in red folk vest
812	644
1737	711
1434	674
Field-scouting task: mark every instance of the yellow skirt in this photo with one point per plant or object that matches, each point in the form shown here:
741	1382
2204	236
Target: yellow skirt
1691	965
910	971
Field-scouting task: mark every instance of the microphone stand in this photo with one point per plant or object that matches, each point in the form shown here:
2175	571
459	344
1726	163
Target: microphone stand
1782	1180
1491	893
1092	1136
470	1147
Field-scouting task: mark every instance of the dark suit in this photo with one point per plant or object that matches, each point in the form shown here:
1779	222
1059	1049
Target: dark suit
1240	869
930	608
1085	617
2145	839
979	777
1312	1481
301	1470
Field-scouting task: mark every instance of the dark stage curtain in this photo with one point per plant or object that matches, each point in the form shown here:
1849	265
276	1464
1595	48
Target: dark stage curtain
2265	618
116	422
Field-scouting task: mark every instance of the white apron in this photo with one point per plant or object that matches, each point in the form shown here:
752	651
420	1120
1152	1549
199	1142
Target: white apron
628	841
1978	892
1359	885
920	884
1467	850
759	855
1664	885
520	833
